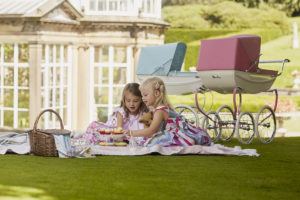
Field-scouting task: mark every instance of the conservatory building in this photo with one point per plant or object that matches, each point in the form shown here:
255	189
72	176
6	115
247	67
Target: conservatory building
72	56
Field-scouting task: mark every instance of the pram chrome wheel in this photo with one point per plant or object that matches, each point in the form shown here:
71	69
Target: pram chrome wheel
211	123
189	113
227	122
265	124
245	127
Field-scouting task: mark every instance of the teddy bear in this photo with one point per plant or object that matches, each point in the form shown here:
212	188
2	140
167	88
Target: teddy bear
146	119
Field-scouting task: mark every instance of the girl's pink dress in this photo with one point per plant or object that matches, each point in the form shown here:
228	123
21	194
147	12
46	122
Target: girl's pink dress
132	123
176	131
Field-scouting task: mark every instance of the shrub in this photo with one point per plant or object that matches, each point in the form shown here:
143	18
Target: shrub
188	35
225	15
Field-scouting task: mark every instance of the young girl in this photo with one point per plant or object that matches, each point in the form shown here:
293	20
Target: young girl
167	128
126	116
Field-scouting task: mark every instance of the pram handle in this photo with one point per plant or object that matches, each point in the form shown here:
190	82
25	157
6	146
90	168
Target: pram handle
276	61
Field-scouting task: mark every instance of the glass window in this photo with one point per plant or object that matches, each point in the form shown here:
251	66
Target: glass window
23	121
23	77
8	76
123	5
65	93
120	74
102	114
8	118
92	5
58	57
23	53
101	95
101	5
117	95
8	100
23	98
113	5
8	53
120	54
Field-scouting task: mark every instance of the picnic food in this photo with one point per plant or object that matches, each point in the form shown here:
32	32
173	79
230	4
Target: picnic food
102	131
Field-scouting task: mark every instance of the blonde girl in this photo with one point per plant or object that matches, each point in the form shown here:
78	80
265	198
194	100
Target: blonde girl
167	128
126	116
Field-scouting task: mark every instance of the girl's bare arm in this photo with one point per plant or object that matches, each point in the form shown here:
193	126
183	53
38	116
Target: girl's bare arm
158	117
119	120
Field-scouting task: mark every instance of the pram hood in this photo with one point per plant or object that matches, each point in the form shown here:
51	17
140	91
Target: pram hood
161	59
232	53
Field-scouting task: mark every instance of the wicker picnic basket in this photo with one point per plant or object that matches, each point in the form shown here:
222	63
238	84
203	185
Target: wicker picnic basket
42	141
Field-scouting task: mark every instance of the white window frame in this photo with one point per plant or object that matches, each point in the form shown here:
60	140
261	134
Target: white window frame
16	65
134	7
111	65
58	67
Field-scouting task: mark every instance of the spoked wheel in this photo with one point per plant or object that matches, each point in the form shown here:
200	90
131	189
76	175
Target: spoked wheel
189	113
210	123
265	124
245	127
227	122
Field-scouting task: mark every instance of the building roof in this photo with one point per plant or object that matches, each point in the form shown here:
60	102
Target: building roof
19	7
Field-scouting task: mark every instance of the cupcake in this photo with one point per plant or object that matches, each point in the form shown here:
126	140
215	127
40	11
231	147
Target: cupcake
107	131
102	131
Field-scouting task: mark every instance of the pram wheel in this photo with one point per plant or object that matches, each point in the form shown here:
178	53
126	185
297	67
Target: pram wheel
227	122
245	127
265	124
211	123
189	113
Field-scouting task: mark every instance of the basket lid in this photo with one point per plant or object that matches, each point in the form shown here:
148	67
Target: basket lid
55	131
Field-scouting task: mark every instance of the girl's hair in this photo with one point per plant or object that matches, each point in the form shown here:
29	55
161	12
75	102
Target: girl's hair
132	88
155	83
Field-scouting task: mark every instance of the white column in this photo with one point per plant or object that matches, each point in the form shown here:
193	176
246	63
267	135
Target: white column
46	84
16	103
110	79
35	57
74	82
83	87
70	85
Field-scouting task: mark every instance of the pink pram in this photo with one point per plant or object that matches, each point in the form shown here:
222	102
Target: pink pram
230	65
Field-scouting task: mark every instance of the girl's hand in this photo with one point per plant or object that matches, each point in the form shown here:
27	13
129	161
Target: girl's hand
126	132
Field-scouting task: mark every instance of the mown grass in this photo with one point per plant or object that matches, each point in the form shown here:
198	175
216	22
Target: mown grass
272	175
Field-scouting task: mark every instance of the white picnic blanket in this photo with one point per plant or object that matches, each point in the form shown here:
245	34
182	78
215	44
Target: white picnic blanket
215	149
19	144
14	142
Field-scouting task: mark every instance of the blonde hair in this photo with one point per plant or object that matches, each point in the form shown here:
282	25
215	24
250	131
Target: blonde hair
132	88
155	83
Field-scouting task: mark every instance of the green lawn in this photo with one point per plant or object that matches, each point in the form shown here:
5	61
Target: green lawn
275	174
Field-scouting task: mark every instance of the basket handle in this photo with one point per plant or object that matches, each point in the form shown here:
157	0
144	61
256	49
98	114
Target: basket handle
48	110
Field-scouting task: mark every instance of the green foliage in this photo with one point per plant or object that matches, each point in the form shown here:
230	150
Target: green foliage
189	35
185	2
224	15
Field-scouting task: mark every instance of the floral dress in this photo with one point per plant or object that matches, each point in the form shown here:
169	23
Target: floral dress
132	123
176	131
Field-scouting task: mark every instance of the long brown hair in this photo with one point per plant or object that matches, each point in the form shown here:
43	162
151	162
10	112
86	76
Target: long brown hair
132	88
